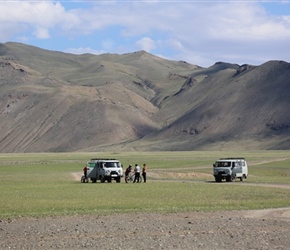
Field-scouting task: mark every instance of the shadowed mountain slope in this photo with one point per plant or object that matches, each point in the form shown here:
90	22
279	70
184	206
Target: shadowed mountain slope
53	101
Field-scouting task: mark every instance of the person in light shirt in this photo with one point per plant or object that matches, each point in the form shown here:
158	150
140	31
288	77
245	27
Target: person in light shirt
137	173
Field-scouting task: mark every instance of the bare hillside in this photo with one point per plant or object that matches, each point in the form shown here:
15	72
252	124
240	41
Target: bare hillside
236	105
52	101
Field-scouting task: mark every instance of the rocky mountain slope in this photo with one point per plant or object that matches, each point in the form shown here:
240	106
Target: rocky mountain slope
54	102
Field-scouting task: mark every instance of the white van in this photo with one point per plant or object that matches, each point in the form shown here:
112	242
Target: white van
230	169
104	170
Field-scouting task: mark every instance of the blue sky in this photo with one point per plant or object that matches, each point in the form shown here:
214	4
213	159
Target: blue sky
199	32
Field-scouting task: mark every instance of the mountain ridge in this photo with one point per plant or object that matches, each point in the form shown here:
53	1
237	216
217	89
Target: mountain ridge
57	102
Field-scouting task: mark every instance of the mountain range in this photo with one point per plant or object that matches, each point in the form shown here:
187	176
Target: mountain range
59	102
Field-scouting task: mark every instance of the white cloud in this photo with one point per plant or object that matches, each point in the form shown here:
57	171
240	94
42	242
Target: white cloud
42	33
246	22
146	43
37	17
81	50
197	32
172	43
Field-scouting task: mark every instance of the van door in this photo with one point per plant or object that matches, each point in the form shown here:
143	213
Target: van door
237	169
97	171
244	168
92	170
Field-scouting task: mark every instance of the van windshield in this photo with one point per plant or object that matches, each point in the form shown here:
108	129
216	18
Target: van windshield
223	164
111	165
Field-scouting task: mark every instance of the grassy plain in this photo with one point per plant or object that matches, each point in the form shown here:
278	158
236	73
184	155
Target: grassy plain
45	184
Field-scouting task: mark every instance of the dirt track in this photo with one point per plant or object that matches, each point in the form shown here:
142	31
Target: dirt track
263	229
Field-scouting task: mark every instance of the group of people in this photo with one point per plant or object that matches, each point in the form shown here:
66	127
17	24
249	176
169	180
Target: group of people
129	169
137	171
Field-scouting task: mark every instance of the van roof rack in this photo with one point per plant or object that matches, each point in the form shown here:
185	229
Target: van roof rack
233	158
106	159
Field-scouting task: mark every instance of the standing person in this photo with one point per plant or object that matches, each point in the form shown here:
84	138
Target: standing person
85	172
144	169
128	170
137	173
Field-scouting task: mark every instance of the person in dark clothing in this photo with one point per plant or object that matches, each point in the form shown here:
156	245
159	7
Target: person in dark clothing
85	171
144	170
128	170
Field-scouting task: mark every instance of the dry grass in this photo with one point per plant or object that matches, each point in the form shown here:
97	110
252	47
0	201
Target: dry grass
49	184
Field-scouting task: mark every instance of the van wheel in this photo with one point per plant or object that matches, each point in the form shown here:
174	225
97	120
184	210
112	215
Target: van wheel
242	178
102	179
218	179
83	179
118	180
229	178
